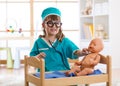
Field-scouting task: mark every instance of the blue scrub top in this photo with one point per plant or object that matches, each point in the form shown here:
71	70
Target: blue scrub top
56	58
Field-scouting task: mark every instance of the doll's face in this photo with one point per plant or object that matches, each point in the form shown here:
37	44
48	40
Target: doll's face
96	45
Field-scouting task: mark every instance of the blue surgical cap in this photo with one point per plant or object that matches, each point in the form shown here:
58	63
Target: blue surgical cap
50	11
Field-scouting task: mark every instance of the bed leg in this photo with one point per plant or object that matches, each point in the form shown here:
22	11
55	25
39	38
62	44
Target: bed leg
26	84
87	85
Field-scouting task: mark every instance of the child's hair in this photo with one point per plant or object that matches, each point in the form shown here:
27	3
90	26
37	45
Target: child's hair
60	35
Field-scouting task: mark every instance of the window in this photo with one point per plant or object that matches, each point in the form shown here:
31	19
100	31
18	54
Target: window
14	16
69	9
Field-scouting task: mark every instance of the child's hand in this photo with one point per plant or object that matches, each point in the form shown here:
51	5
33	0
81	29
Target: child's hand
41	55
85	51
77	63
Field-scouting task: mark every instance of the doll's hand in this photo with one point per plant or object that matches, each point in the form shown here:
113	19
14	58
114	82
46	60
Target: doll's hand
41	55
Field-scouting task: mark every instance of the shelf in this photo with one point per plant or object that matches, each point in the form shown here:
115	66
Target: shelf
5	61
88	40
15	38
86	16
15	31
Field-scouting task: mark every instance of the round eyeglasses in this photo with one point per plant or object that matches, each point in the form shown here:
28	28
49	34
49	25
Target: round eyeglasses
52	23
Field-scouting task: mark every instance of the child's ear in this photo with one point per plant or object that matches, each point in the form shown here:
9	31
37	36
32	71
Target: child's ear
42	24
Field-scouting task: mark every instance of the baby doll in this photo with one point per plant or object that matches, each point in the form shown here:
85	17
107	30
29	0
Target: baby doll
86	66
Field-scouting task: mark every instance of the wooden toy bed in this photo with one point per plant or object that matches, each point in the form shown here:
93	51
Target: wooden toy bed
77	80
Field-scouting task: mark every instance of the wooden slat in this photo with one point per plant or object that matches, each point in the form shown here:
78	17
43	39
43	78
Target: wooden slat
31	78
5	61
35	62
77	80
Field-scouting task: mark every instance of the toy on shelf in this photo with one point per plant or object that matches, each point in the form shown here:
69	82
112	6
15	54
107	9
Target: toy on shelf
10	29
88	8
20	30
100	32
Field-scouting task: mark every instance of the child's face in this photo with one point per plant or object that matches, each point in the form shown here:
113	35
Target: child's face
52	26
95	46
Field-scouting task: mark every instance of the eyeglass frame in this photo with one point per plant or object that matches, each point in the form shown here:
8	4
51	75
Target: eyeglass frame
53	23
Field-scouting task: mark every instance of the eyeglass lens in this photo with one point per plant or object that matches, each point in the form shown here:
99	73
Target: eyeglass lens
52	23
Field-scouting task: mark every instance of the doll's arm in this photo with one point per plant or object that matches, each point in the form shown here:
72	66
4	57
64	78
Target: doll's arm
96	60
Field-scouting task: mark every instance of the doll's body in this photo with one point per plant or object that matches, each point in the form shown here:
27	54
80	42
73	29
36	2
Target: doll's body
86	66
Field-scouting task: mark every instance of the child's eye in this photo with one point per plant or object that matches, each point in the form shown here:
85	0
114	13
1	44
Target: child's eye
58	24
50	23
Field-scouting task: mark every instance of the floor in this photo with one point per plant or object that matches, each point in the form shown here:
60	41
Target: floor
15	77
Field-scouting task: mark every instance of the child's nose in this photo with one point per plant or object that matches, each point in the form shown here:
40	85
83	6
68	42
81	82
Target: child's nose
54	25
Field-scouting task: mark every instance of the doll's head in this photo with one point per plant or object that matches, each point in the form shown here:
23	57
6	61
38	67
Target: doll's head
96	45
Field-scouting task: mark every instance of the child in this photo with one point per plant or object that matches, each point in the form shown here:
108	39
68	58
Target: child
86	66
53	46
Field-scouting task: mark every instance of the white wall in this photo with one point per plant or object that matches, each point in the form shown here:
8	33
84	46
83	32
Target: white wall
115	32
